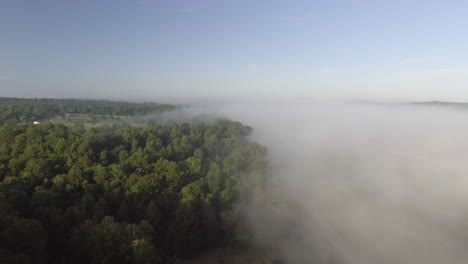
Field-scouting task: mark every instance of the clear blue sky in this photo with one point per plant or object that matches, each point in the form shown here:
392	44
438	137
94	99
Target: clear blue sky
150	48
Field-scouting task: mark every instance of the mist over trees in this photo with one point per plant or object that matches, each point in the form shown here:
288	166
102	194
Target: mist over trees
340	183
373	183
123	194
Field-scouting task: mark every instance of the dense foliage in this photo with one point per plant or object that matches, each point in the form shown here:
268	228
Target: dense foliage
18	109
122	194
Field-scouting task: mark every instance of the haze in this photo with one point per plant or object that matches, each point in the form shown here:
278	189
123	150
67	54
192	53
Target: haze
373	183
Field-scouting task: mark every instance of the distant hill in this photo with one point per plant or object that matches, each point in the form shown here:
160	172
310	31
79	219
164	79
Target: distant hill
441	104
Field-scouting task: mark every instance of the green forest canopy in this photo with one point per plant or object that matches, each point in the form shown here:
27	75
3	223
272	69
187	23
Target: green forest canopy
18	109
121	194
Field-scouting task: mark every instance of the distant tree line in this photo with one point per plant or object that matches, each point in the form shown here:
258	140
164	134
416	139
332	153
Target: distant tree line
21	110
120	194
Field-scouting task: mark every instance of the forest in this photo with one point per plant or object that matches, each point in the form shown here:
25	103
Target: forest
121	194
23	109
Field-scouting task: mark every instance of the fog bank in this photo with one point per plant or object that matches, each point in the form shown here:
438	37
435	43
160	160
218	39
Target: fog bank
379	184
374	183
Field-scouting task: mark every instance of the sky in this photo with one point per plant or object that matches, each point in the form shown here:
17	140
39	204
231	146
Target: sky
139	49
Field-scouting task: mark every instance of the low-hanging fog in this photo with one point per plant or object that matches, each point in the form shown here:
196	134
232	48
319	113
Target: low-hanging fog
374	183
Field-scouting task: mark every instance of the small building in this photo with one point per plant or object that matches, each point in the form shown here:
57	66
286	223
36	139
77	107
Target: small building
36	122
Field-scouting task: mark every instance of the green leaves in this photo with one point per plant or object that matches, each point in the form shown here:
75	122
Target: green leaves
124	194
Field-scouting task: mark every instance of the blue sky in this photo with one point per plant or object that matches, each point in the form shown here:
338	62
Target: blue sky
415	50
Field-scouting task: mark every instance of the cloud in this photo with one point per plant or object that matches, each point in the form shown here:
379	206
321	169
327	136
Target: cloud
5	78
297	20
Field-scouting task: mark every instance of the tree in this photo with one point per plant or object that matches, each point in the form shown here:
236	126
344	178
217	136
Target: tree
122	194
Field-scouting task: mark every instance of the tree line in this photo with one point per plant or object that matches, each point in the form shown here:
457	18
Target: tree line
122	194
21	110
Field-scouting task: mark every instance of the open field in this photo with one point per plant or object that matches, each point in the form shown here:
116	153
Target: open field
90	121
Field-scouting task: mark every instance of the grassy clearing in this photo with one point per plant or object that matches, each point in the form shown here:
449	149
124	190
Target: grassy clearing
90	121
